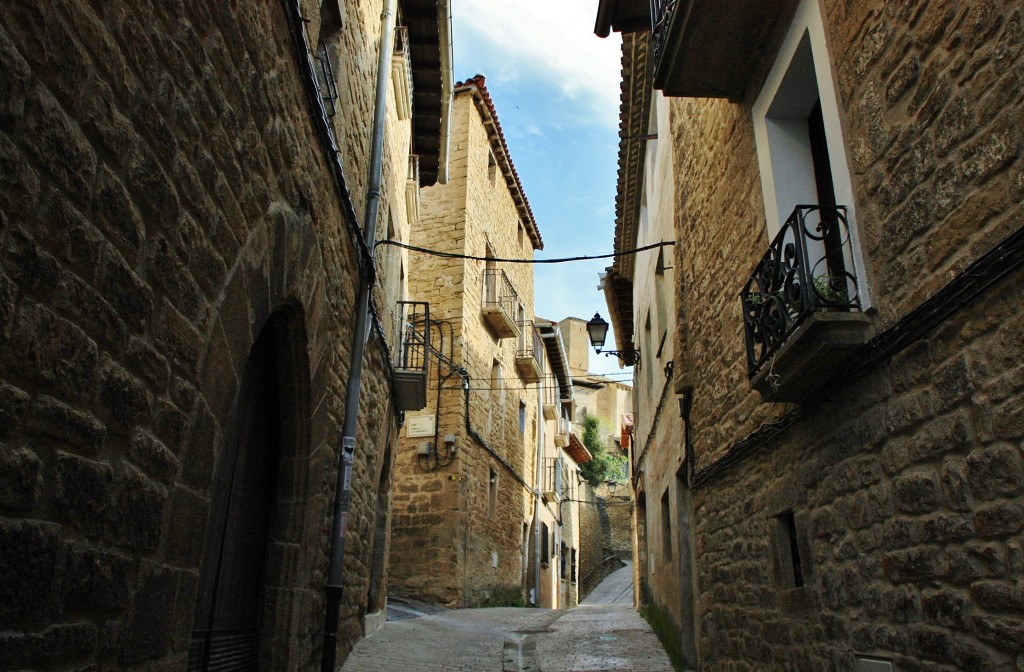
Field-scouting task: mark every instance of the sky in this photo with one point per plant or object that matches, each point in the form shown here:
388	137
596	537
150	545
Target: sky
555	86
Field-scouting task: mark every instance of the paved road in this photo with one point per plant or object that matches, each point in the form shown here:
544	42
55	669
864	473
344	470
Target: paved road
603	633
617	589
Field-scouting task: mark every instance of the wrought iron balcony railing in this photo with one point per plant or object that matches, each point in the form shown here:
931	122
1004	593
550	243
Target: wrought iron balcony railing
325	82
500	303
529	352
558	483
807	269
661	17
412	354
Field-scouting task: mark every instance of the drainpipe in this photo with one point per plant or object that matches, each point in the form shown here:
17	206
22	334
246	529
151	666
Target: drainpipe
339	526
536	495
444	24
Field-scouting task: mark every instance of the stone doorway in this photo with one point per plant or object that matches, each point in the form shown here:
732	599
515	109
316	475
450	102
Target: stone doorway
233	576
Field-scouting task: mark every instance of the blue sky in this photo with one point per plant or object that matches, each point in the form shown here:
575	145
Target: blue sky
555	86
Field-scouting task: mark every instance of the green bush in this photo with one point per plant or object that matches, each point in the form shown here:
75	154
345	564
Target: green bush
604	466
502	596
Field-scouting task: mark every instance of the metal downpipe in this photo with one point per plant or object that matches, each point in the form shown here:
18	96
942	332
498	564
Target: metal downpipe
339	526
539	471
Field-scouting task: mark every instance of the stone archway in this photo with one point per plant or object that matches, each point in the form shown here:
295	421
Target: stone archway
241	553
376	594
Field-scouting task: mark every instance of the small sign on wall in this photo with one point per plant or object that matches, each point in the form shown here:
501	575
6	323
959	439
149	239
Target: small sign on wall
419	426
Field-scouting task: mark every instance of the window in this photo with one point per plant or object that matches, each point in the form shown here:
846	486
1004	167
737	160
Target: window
666	528
497	382
492	493
332	19
564	566
663	320
789	550
544	544
648	348
521	235
800	146
392	255
522	418
490	276
492	167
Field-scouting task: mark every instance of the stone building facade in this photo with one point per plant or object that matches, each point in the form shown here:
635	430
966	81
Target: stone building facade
464	470
178	261
862	509
557	540
639	290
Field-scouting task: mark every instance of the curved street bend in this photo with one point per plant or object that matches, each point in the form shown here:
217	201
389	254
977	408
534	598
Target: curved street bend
603	633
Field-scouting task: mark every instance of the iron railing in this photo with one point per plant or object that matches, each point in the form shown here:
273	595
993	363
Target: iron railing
808	268
529	343
499	293
402	41
564	426
325	82
661	19
557	478
414	168
413	333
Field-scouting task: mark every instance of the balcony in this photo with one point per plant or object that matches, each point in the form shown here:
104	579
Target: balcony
412	355
712	48
401	73
562	431
801	308
412	190
558	483
528	353
500	304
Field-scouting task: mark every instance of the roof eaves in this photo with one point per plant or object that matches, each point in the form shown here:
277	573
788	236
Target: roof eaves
634	113
557	358
577	450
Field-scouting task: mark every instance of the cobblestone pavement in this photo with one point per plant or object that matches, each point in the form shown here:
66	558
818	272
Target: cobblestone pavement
462	640
603	633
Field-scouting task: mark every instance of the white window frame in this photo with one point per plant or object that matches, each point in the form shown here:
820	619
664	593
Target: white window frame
785	164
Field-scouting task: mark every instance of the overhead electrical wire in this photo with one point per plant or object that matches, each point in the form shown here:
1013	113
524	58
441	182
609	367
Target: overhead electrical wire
562	260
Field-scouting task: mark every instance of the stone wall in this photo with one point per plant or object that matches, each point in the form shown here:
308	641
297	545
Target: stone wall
164	198
445	534
904	483
594	534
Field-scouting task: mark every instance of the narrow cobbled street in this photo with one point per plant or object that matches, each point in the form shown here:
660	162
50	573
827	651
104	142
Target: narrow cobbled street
603	633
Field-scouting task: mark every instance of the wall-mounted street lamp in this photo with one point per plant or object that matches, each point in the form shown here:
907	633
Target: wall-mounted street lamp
597	330
612	486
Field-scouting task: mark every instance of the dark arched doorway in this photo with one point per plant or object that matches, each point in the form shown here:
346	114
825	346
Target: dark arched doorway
233	573
375	594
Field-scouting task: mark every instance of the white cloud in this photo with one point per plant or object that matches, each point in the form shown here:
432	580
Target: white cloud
549	40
